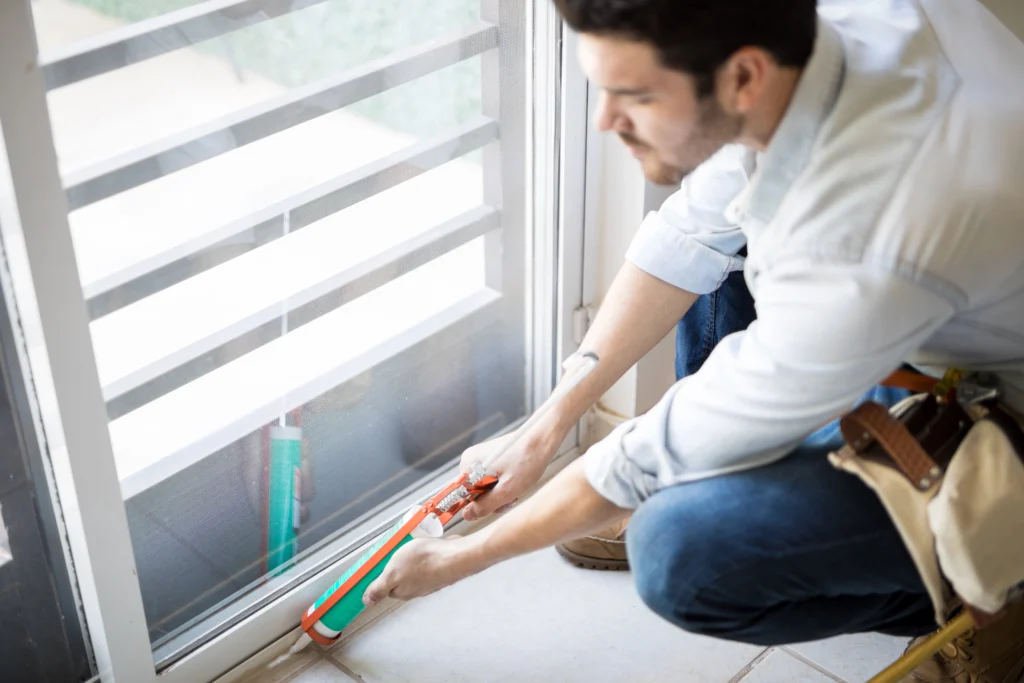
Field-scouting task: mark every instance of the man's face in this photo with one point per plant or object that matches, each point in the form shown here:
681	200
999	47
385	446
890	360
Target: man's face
654	110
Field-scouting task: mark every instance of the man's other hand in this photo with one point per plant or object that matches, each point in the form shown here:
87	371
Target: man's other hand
518	470
424	566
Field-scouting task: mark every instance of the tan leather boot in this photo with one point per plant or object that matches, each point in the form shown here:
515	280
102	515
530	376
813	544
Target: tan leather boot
604	550
993	655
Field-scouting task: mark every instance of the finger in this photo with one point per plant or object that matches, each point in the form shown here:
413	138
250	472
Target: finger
378	590
471	512
487	503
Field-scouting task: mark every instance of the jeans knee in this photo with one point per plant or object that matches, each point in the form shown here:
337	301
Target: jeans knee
664	557
684	552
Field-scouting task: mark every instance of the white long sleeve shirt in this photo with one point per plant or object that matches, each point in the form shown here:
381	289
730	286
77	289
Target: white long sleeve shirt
884	224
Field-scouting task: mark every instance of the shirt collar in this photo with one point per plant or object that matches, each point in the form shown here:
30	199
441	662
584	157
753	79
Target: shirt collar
790	148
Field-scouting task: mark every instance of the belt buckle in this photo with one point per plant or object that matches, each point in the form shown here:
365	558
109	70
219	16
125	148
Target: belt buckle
975	390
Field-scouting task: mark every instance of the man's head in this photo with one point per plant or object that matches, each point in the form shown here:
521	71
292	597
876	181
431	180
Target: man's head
681	78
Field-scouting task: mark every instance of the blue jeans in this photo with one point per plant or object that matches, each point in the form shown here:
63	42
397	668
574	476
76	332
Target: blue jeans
785	553
711	318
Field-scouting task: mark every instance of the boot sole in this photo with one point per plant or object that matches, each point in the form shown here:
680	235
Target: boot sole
592	562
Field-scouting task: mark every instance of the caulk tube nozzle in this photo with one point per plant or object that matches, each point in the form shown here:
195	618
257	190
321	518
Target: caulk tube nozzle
301	644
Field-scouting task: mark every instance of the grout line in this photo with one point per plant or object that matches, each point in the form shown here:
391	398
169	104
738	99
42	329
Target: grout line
295	674
814	665
345	670
750	665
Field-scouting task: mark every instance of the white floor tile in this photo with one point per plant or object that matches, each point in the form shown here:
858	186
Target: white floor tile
779	667
537	619
324	672
854	658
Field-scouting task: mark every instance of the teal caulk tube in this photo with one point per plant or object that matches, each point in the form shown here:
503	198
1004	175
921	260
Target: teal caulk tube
283	495
329	625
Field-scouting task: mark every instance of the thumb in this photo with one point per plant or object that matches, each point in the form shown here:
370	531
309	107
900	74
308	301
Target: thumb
489	502
377	591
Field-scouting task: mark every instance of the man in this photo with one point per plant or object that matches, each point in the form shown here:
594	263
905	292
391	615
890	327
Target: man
868	156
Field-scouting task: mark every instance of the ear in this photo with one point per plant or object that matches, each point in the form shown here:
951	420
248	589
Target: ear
742	79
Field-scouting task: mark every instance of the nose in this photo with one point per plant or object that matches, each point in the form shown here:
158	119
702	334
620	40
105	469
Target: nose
606	116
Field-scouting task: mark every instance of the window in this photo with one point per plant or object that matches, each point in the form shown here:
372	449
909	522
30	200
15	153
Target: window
319	248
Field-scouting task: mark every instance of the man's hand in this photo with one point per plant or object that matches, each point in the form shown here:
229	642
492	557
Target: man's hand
637	312
567	507
518	469
424	566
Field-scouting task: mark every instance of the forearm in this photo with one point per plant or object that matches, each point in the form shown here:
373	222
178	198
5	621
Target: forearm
637	313
567	507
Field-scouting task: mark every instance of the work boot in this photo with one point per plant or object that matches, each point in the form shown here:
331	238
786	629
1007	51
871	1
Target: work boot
604	550
994	654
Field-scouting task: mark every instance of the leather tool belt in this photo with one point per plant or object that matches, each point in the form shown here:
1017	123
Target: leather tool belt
948	465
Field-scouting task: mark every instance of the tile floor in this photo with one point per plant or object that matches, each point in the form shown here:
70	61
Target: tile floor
539	619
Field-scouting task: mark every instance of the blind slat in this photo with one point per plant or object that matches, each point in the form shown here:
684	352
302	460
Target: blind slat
190	147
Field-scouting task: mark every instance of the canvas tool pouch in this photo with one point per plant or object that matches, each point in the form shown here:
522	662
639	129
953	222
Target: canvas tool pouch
952	479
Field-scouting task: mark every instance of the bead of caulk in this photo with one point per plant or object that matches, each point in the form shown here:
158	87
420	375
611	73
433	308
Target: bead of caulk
298	647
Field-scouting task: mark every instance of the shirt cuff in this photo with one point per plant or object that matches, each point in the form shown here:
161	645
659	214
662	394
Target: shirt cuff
678	258
612	474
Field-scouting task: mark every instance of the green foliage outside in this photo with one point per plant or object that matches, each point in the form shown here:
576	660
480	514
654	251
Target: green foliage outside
322	40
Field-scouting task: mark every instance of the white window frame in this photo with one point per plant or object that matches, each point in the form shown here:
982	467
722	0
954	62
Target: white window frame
559	283
619	198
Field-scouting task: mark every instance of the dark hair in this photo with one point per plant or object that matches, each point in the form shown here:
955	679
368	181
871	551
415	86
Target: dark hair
699	36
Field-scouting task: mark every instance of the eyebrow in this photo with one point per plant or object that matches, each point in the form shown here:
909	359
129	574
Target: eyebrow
628	92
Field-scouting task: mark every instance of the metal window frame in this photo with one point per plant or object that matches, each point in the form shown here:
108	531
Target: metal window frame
564	170
63	642
560	173
550	220
577	245
87	484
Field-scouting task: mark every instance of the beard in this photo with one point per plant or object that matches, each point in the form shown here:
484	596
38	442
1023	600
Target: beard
714	130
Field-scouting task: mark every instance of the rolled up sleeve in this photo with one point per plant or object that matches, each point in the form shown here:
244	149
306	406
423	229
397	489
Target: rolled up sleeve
690	242
823	337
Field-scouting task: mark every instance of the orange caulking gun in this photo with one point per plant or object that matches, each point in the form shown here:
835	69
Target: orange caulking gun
324	621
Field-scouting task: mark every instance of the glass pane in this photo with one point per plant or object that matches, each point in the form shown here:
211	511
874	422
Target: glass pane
282	356
64	22
183	219
203	535
119	111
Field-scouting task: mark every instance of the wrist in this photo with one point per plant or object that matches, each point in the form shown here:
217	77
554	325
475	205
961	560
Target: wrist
478	552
